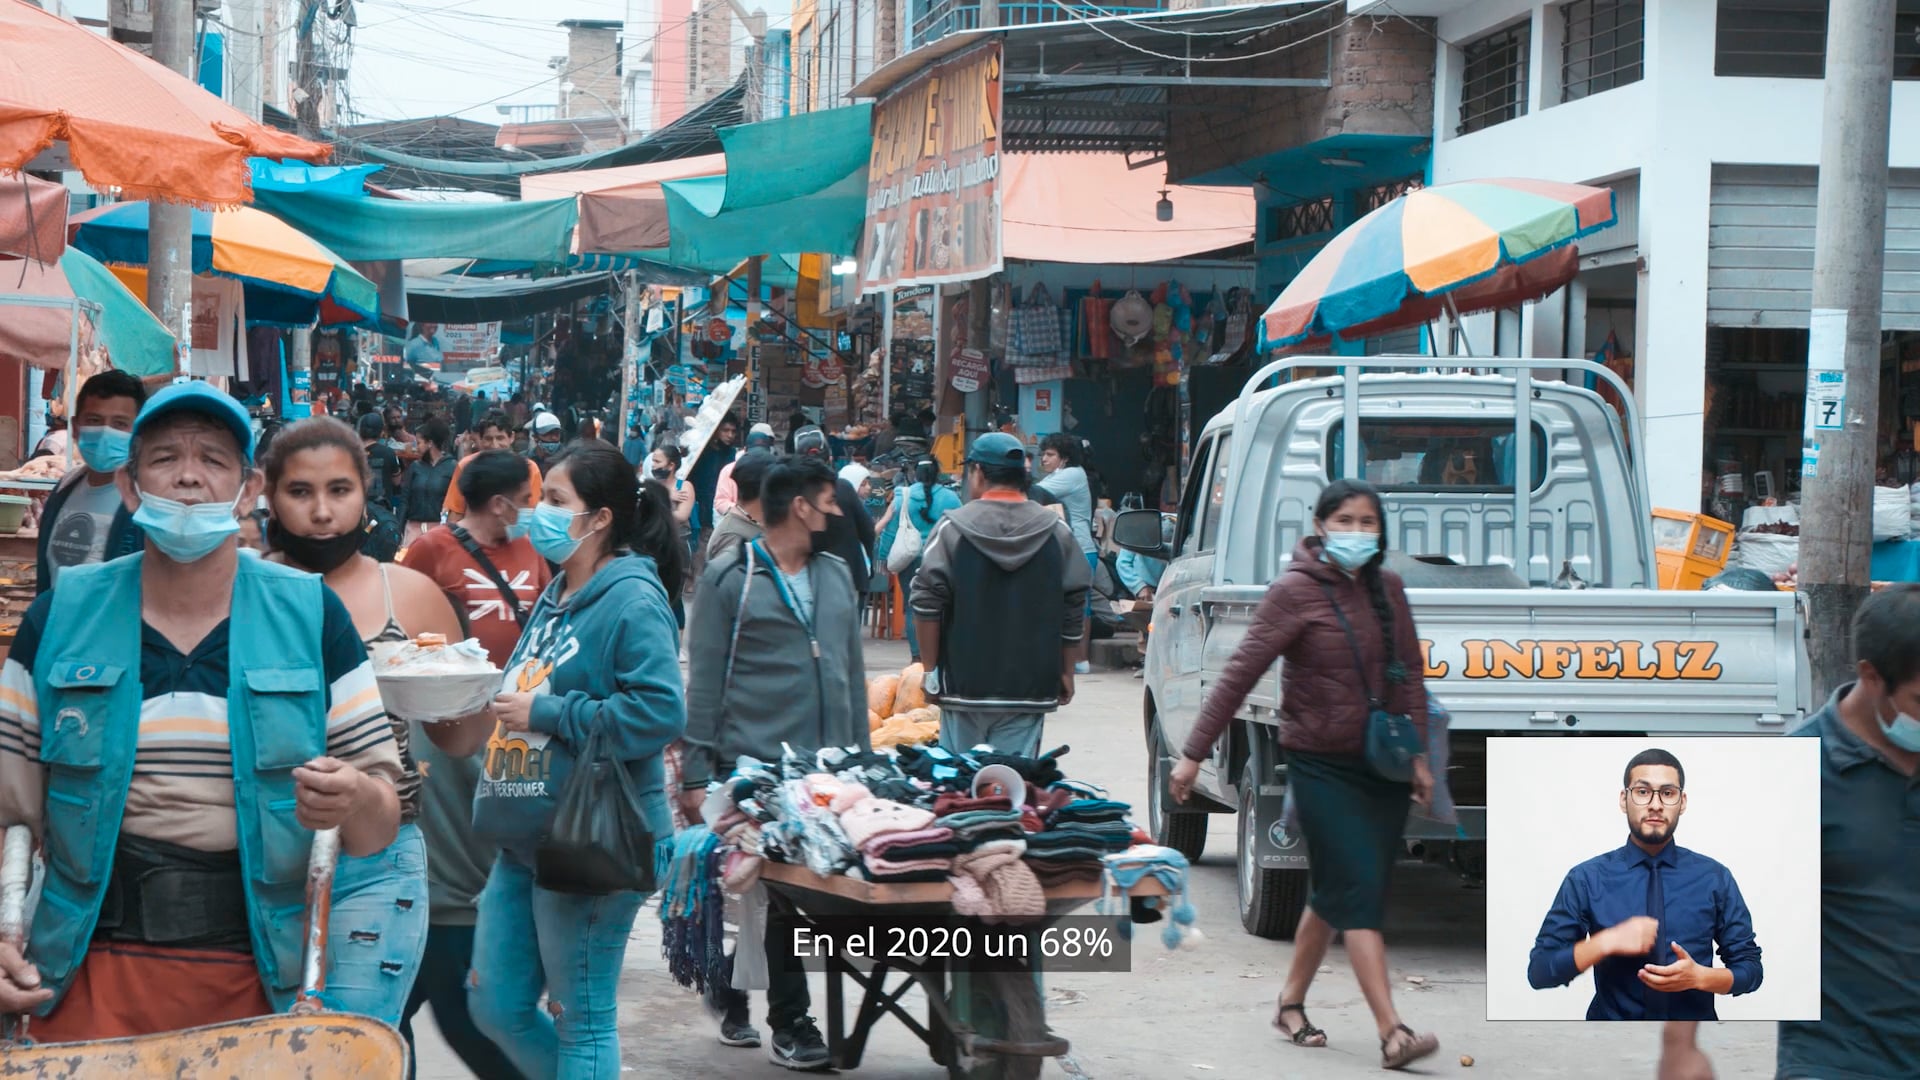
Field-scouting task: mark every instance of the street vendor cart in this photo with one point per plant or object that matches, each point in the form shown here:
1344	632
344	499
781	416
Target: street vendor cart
979	1024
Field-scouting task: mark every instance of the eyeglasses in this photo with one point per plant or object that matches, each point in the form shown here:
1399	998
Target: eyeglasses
1643	796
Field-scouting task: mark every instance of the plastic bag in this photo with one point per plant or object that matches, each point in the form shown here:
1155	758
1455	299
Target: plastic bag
599	842
1769	553
1892	514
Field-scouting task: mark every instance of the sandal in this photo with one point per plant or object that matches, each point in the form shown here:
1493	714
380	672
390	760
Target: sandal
1411	1049
1305	1034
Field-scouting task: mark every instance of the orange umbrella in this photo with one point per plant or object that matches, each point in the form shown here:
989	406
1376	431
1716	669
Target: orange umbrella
128	122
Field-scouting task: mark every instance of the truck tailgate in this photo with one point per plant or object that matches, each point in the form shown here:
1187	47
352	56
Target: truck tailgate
1584	660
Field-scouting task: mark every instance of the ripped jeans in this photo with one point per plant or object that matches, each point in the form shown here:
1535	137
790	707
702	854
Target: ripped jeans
529	939
378	928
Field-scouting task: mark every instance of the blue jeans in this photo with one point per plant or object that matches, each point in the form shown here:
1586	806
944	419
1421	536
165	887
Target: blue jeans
906	599
378	928
1093	572
529	939
443	984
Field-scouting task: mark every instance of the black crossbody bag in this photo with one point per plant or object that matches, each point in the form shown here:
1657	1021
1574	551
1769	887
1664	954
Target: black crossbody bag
493	573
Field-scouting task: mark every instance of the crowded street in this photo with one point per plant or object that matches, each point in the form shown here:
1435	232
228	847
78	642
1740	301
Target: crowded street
1202	1010
959	539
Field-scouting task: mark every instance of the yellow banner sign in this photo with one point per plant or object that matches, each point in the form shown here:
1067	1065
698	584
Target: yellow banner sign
1644	660
933	195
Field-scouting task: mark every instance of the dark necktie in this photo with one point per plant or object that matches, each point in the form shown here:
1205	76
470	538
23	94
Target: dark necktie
1657	909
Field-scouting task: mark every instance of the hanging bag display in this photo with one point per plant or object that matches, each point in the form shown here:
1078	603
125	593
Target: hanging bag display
599	842
1392	741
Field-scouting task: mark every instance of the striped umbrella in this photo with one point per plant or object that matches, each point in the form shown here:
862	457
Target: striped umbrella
1469	246
290	278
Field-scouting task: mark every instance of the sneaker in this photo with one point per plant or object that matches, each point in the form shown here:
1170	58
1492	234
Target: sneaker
738	1031
1083	668
799	1047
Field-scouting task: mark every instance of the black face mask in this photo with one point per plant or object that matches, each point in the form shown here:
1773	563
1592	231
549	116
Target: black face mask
662	474
319	556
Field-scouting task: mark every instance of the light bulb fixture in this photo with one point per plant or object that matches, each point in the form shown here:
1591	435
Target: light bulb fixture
845	267
1342	161
1163	210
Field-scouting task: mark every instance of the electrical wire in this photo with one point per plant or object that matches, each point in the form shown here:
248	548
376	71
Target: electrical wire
1094	25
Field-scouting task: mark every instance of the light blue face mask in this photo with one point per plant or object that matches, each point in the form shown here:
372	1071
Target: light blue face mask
185	533
104	449
1903	731
552	532
1351	550
518	527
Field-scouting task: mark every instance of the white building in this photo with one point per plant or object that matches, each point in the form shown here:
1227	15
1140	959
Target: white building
1705	117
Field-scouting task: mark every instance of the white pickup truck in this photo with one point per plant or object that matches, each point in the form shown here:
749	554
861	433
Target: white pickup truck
1459	457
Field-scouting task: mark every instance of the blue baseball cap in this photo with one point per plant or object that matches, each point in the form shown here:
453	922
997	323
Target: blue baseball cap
998	448
202	398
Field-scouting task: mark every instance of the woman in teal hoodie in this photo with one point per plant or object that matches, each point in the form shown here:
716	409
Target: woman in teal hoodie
599	654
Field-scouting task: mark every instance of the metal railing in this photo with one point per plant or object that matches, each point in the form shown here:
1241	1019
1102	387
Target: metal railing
935	20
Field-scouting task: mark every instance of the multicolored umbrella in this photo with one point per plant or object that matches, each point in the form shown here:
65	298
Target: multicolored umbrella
134	339
290	279
1469	246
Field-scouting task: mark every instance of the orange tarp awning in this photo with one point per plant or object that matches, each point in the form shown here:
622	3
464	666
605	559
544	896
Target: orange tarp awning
1091	208
128	122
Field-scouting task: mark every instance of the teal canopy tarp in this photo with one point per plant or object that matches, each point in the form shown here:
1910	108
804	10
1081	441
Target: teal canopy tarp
368	230
136	342
793	184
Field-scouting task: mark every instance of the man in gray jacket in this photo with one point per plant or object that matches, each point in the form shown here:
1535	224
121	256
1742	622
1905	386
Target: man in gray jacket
773	647
1000	607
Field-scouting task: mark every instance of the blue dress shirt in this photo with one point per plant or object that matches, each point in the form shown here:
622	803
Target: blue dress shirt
1703	905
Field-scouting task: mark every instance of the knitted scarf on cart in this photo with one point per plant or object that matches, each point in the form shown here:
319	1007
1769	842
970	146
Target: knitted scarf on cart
692	908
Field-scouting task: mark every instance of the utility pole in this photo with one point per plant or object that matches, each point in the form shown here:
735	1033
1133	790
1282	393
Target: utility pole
629	360
1843	360
170	225
306	111
246	56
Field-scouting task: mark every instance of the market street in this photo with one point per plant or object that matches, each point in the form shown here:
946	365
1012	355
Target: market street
1200	1011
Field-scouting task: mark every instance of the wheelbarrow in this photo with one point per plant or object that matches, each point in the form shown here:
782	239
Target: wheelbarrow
307	1042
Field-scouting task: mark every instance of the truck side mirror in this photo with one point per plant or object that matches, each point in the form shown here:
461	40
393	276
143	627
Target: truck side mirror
1139	531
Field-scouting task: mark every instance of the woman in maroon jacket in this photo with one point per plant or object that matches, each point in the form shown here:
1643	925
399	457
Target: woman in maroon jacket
1351	818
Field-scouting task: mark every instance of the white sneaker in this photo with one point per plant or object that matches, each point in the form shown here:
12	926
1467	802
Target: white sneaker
1083	668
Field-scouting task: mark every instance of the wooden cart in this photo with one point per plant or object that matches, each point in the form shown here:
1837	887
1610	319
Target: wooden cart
979	1025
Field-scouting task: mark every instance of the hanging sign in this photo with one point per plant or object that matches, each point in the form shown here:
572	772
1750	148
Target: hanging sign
933	193
1826	383
468	346
970	370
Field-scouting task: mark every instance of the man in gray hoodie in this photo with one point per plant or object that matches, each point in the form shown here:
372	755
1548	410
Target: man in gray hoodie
773	647
1000	607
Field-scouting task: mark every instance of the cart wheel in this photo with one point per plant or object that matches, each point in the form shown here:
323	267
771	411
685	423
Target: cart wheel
1003	1005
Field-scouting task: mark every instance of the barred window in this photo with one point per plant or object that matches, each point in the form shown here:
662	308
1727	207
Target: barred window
1493	81
1787	39
1605	46
1374	198
1310	218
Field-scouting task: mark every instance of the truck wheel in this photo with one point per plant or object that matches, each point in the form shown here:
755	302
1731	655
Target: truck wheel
1271	901
1183	831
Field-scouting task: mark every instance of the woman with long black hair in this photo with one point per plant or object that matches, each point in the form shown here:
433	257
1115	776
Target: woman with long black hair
1341	621
918	506
597	660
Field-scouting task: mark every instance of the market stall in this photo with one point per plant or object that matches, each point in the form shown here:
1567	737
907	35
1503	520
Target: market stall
938	853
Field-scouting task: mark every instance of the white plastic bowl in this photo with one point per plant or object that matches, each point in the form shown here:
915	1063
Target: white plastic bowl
430	698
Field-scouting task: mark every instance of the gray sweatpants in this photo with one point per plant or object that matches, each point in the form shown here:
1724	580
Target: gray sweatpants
1008	733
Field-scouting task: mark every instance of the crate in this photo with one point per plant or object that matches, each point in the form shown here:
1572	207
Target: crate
1689	548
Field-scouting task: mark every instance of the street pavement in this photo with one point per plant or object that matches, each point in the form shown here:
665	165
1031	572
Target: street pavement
1203	1011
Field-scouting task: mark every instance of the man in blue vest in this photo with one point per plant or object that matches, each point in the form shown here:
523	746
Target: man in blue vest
174	771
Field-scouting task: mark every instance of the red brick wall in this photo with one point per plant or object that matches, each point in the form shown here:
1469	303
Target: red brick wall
1382	84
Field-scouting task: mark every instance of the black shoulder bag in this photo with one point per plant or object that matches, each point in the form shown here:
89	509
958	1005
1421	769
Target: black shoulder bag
493	573
1392	741
599	842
